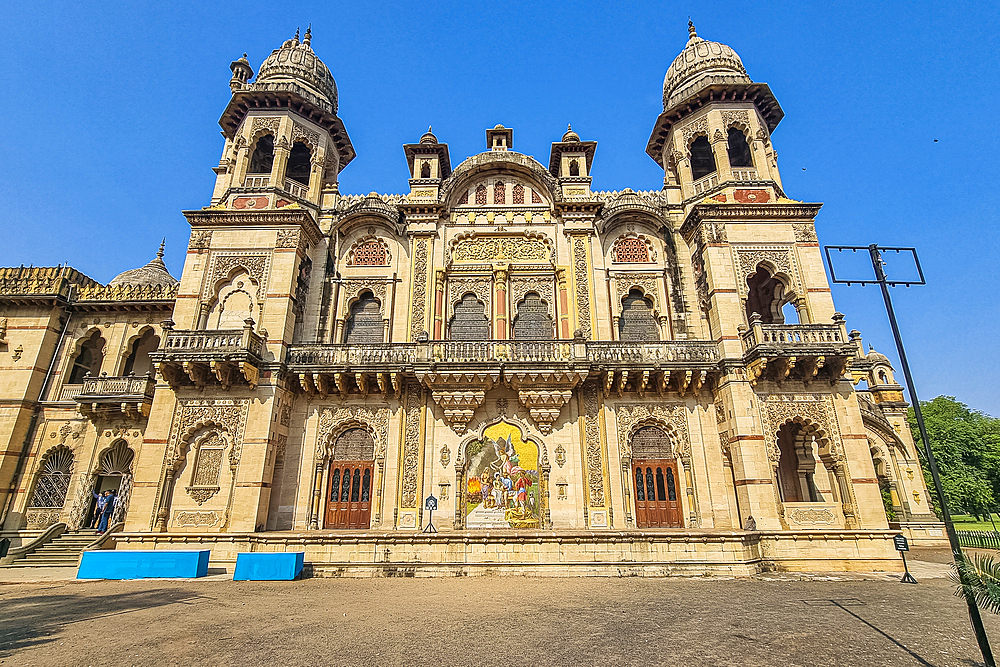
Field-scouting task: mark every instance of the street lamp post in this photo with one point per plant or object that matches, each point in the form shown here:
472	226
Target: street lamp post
880	278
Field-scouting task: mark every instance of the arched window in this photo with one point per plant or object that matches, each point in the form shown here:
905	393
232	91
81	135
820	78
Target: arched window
208	462
425	169
364	325
739	150
370	253
138	362
236	301
518	194
636	323
766	296
702	158
470	321
53	480
796	465
89	359
481	195
532	321
299	163
631	249
499	193
574	167
651	442
262	158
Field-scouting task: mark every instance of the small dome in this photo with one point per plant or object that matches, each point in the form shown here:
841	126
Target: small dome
570	136
154	273
700	59
877	357
428	137
296	65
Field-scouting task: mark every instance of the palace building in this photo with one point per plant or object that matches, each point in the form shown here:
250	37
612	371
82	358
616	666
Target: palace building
498	369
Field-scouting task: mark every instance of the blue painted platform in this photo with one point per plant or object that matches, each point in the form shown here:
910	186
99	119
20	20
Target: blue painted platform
164	564
269	566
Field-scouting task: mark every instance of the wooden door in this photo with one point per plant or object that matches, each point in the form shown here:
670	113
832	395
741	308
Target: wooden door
349	493
656	485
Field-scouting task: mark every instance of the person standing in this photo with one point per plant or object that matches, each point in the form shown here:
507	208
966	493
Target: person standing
102	500
109	507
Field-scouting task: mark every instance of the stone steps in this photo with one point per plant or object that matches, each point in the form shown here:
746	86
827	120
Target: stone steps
63	551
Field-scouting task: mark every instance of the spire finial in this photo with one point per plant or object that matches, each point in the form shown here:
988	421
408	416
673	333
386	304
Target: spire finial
692	33
429	128
296	35
308	36
244	55
159	253
569	127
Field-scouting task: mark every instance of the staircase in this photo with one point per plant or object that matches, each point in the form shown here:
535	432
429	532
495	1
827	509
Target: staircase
63	551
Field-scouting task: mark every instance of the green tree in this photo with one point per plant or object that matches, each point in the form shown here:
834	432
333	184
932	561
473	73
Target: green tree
966	444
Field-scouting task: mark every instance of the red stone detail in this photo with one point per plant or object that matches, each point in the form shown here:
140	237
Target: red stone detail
518	194
250	202
281	203
465	198
719	197
535	199
499	193
481	195
752	196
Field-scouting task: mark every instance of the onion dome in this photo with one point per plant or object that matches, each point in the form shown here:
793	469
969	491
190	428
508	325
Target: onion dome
570	136
154	273
699	65
428	137
877	357
296	67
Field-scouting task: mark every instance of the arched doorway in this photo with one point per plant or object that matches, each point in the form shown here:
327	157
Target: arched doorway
349	481
655	479
114	473
51	487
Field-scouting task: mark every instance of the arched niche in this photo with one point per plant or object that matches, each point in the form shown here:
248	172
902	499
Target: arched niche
503	480
470	321
532	319
768	292
139	348
87	356
637	319
364	323
236	299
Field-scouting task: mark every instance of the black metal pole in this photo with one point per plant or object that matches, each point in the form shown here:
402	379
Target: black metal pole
956	548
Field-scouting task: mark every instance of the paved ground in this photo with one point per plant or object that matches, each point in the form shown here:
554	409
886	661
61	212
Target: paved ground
773	619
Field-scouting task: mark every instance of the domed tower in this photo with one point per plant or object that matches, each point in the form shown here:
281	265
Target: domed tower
284	141
714	135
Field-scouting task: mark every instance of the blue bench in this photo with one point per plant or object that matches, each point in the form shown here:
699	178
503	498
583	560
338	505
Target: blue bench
169	564
269	566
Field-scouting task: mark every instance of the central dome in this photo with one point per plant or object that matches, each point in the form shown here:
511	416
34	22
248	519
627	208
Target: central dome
698	60
295	65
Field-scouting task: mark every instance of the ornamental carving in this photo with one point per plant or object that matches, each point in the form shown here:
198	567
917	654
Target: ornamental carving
810	409
264	124
191	519
190	416
411	444
595	465
354	287
200	240
672	417
541	285
581	274
418	325
459	287
805	232
812	516
741	117
333	421
780	258
633	248
720	410
304	134
511	248
646	283
288	238
692	130
222	264
459	405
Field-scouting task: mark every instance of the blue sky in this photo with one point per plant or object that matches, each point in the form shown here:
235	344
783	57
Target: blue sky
110	124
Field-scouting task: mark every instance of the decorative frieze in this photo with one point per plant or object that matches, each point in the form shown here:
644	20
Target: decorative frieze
411	445
592	428
581	275
418	325
673	418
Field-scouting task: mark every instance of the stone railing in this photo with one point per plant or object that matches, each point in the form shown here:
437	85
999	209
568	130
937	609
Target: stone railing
213	342
706	183
70	392
124	385
296	189
337	355
127	292
501	350
792	334
259	181
744	174
669	351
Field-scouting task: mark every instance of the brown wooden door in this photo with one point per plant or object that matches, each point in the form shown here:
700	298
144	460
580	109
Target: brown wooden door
656	485
349	494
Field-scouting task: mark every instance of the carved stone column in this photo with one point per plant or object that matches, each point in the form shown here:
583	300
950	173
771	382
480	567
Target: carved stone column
317	496
501	329
439	279
163	514
564	315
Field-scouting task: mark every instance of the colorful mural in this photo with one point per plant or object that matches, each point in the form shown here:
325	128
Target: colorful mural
502	484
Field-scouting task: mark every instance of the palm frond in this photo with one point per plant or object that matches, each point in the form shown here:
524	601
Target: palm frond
978	579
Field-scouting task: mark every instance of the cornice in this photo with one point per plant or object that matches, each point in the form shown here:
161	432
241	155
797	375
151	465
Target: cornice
742	212
210	217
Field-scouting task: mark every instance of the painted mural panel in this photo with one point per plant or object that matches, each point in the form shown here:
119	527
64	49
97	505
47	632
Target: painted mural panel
502	489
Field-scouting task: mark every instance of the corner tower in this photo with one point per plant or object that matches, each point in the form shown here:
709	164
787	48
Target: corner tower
714	135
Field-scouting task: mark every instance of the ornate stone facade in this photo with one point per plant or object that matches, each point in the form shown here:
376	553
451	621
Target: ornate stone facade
495	344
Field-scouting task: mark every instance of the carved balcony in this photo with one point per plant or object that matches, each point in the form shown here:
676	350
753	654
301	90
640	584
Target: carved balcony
680	365
326	369
805	352
223	356
106	396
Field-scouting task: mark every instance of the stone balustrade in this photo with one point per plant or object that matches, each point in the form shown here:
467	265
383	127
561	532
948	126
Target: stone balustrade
213	341
101	396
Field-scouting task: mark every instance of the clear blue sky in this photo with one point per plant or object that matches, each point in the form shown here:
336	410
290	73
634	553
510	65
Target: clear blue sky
110	124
